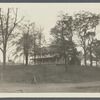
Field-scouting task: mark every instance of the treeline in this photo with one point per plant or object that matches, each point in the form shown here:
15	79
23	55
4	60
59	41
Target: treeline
83	25
22	35
29	39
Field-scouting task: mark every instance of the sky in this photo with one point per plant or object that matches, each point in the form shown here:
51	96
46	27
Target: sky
45	14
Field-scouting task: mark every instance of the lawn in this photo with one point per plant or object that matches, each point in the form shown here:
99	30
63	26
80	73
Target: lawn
49	74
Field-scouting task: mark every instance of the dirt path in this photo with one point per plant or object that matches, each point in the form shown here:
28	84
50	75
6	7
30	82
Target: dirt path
45	88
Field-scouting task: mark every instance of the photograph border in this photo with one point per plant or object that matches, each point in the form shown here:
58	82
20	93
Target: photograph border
49	96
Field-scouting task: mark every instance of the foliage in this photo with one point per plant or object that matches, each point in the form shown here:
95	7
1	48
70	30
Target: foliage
63	45
83	23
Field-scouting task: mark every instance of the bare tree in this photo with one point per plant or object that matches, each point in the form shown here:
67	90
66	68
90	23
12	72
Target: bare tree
8	22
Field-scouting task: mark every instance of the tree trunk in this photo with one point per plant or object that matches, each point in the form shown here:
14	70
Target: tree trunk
23	59
34	50
34	59
26	57
90	56
85	57
96	61
65	63
4	63
40	50
84	40
4	57
63	48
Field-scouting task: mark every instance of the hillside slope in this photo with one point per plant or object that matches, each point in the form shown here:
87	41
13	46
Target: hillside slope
50	74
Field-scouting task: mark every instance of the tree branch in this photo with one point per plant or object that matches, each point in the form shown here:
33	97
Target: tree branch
1	49
15	22
2	26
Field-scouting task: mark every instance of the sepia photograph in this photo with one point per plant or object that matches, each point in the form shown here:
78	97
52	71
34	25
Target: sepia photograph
49	47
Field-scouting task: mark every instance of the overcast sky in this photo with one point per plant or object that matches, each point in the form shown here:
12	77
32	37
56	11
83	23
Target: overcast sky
45	14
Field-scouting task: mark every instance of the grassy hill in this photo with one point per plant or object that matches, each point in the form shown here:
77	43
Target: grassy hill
50	74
